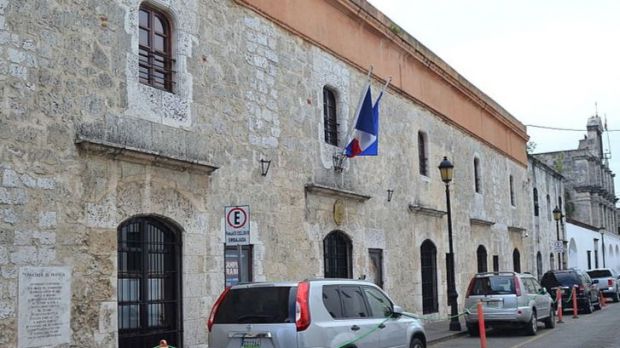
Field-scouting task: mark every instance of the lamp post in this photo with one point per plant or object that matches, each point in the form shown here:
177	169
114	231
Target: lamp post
557	215
446	168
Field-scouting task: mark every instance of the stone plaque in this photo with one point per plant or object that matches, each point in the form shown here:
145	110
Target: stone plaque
44	306
338	212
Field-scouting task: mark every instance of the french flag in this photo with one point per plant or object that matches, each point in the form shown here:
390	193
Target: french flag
365	137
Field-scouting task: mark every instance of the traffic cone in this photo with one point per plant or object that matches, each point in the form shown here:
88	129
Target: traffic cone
574	295
602	300
558	301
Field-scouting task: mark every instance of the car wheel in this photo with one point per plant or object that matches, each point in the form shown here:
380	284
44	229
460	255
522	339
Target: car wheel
588	308
416	343
473	330
532	325
550	321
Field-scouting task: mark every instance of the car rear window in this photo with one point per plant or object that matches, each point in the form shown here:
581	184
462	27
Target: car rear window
566	279
260	305
493	285
599	273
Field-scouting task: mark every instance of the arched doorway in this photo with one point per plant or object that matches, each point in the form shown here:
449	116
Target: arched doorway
337	250
481	255
572	254
516	261
428	257
149	283
539	265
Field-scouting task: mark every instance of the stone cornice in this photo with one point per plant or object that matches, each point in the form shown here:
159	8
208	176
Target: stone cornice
335	191
132	154
419	209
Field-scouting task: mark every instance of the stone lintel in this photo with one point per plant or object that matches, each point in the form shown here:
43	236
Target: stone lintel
474	221
334	191
132	154
516	229
419	209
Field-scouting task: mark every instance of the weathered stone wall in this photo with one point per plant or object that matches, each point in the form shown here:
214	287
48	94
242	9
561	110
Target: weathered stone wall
247	89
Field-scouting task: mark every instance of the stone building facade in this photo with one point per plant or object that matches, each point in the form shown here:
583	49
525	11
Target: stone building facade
547	187
120	185
590	195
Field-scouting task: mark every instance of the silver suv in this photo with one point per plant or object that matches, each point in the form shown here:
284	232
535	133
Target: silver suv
508	299
311	313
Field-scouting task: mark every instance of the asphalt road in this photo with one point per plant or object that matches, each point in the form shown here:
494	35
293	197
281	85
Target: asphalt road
597	330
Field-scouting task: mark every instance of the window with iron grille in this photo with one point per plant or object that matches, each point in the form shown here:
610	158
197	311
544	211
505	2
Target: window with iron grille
330	118
422	153
149	284
477	175
155	49
337	250
481	255
516	261
428	259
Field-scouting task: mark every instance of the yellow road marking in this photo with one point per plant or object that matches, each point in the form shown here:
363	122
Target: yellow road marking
532	339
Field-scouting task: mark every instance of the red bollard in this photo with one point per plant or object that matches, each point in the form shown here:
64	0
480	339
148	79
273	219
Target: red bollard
558	299
481	329
574	295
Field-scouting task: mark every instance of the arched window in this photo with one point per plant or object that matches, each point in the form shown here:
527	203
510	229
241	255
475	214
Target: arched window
477	175
337	250
428	258
330	119
149	283
423	153
516	260
481	255
155	48
536	212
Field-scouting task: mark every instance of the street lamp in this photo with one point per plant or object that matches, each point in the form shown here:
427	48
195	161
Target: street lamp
446	168
557	216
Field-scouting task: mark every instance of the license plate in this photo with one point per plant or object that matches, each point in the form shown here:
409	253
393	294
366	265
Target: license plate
494	304
250	343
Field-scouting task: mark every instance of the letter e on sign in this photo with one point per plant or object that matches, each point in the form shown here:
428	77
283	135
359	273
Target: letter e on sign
237	225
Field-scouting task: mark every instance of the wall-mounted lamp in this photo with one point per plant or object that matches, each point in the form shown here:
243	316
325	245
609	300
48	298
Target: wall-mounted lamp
264	166
338	159
390	193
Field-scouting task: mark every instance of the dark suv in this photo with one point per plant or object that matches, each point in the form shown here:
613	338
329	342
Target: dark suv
587	292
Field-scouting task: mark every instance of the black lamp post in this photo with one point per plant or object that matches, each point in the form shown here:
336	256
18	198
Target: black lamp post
446	168
557	216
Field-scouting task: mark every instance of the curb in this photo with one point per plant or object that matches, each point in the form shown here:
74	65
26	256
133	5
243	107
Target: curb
446	338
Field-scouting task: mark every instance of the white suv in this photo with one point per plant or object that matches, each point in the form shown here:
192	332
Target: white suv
312	313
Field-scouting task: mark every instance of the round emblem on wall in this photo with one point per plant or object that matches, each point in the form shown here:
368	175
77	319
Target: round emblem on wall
338	212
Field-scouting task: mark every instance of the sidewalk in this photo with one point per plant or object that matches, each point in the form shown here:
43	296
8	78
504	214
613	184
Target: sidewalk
438	331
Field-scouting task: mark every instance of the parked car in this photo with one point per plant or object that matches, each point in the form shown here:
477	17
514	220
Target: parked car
587	292
311	313
508	299
607	281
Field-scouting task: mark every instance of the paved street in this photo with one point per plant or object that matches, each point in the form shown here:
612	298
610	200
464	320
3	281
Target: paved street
596	330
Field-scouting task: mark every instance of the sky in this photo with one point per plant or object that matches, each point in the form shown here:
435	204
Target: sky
550	63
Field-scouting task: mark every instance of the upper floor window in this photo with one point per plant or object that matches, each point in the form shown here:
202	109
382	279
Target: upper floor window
512	191
330	120
423	153
477	175
535	201
155	49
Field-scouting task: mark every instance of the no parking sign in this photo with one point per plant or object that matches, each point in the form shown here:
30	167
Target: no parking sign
237	223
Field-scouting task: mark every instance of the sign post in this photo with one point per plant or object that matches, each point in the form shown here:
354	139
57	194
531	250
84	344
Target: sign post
237	231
